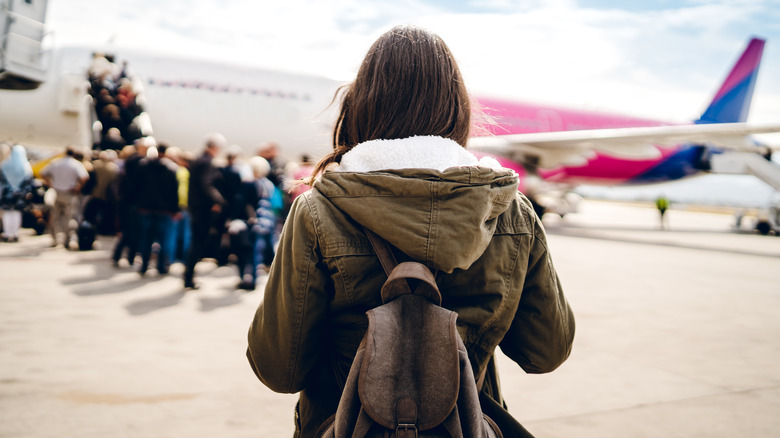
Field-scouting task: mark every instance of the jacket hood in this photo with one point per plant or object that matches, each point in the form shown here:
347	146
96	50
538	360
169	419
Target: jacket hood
441	215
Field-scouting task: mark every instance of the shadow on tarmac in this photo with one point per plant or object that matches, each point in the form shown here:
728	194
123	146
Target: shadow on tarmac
148	305
101	289
666	238
27	251
207	304
103	271
563	224
102	278
231	298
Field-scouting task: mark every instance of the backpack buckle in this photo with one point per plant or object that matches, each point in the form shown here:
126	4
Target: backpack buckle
406	430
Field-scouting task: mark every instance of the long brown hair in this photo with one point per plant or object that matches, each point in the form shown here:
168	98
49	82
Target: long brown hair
408	84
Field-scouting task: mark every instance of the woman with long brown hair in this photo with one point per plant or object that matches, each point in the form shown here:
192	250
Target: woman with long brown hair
399	168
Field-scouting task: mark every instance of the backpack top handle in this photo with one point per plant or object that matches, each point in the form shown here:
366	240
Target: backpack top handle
397	274
397	283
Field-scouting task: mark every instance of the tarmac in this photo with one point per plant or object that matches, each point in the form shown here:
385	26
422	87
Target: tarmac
678	335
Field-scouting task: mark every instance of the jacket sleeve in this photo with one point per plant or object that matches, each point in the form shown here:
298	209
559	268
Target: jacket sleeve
285	338
211	181
542	331
172	190
207	178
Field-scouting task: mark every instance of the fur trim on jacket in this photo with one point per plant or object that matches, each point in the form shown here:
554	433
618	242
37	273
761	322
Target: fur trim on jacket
420	152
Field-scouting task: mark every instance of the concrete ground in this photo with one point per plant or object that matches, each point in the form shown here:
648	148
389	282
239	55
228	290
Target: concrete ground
677	336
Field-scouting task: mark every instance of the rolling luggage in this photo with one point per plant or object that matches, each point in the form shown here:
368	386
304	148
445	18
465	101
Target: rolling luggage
86	236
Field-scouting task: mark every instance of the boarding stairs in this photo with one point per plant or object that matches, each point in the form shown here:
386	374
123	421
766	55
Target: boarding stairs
23	60
741	163
753	164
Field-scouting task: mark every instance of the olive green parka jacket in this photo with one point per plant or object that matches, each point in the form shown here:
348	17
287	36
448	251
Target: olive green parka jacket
469	223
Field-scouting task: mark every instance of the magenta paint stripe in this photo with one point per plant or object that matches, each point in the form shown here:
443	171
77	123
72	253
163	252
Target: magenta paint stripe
746	66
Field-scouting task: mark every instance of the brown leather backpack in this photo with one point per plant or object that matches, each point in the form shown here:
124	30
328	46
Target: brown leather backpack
411	376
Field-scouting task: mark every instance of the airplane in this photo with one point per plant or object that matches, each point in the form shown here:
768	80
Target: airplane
45	103
561	148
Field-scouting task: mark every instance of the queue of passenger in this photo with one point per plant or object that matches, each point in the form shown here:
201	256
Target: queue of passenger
236	209
117	97
164	205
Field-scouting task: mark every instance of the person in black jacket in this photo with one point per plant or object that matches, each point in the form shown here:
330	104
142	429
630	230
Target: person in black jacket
243	227
158	204
228	184
128	196
205	203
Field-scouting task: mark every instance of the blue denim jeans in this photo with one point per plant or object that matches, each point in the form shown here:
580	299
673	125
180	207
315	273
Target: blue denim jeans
155	227
179	238
264	249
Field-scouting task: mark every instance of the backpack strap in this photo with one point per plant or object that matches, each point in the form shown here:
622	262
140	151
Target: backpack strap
387	258
383	251
398	274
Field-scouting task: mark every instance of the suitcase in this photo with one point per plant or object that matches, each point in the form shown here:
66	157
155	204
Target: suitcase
86	236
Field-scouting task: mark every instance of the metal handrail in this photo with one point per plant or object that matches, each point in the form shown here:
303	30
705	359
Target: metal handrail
27	41
16	15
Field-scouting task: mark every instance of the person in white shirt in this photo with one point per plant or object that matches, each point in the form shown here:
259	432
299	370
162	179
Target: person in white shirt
66	176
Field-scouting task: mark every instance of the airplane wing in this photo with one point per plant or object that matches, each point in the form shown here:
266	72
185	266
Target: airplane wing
571	148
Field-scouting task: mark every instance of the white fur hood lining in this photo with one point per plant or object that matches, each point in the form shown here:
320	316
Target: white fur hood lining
423	152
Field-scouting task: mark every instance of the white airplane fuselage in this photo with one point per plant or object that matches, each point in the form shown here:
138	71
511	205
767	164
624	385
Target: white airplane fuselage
185	99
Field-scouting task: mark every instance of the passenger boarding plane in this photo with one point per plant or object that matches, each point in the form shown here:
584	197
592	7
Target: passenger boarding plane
44	103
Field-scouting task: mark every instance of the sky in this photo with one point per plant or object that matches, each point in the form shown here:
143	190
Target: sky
662	59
